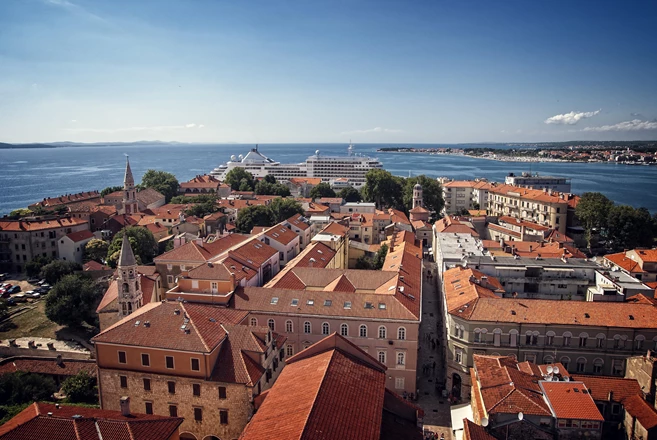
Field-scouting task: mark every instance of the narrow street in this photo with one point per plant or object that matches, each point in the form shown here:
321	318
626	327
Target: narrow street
431	352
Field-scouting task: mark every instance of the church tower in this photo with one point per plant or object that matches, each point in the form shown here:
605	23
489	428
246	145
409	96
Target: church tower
130	205
129	284
417	196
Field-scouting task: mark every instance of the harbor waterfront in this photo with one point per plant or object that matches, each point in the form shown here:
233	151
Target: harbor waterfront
28	175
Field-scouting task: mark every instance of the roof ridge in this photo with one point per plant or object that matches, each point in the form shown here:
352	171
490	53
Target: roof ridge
191	321
319	388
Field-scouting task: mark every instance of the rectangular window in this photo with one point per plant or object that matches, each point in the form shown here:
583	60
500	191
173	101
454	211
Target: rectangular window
145	360
196	389
223	416
459	356
172	387
173	411
149	407
196	365
194	284
122	357
169	279
124	381
399	383
169	362
147	384
198	414
222	392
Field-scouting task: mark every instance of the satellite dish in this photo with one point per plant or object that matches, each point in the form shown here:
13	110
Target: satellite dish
520	415
566	378
317	152
240	157
550	369
555	370
233	158
484	421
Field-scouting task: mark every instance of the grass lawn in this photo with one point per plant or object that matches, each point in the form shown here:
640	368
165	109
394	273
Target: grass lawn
32	323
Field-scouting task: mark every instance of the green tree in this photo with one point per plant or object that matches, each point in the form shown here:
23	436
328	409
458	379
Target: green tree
272	189
21	387
235	177
380	257
364	263
161	181
269	178
321	190
257	215
73	301
96	250
33	268
110	190
81	388
382	188
629	228
432	193
350	194
142	242
245	185
56	270
282	209
592	210
20	213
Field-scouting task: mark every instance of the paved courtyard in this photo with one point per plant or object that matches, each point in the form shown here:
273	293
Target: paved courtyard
432	346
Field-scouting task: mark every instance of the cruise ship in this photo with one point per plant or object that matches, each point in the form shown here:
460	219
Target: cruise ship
338	171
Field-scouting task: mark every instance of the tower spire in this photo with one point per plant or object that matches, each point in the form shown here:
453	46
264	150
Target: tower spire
128	180
127	257
130	294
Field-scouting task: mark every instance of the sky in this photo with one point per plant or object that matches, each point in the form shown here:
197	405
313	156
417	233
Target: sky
327	71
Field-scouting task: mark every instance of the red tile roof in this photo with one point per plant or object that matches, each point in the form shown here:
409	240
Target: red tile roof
281	234
639	408
450	224
472	431
621	260
35	422
65	200
518	222
39	225
165	327
328	391
600	387
253	253
296	221
571	400
80	235
193	252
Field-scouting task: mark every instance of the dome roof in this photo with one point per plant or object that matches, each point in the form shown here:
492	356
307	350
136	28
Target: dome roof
417	186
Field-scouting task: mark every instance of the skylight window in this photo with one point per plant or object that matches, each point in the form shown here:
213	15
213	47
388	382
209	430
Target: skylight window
328	302
347	304
369	305
382	306
310	302
274	300
295	302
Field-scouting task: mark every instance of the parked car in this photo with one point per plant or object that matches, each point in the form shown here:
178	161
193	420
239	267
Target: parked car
14	289
11	302
42	290
4	293
46	286
5	286
3	276
34	295
19	297
41	282
33	280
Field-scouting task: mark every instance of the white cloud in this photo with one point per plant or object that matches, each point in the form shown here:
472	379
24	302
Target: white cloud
373	130
201	126
633	125
571	118
74	120
133	129
73	8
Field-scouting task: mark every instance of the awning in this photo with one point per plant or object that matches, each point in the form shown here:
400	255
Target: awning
458	413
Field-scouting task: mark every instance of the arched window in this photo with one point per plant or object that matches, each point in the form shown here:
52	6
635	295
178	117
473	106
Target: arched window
497	336
513	337
598	364
565	361
583	337
382	357
289	350
344	330
581	364
548	360
618	343
362	331
600	339
549	338
126	288
382	332
566	339
325	328
477	335
638	342
306	327
401	333
254	322
401	358
289	326
271	324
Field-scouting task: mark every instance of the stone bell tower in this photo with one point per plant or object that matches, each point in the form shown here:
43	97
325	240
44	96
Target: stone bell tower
417	196
129	284
130	205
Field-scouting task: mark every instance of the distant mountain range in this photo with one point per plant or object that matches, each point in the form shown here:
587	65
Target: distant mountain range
83	144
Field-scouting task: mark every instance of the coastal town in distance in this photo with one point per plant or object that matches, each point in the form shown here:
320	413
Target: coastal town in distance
320	220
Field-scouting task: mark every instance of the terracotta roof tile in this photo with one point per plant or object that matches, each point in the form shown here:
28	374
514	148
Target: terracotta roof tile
600	386
39	225
472	431
571	400
639	408
281	234
298	221
253	253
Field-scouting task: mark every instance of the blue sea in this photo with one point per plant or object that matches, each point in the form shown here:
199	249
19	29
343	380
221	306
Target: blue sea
29	175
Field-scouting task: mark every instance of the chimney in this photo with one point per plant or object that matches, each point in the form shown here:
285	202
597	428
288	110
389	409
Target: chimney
59	360
125	406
